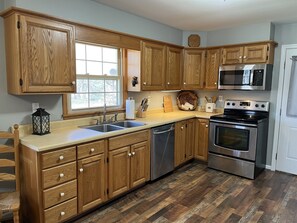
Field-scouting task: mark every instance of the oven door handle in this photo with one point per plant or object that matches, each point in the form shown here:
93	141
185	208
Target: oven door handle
234	123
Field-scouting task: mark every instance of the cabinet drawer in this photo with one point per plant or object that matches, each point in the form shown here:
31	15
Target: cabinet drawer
61	212
90	149
58	157
59	174
58	194
128	139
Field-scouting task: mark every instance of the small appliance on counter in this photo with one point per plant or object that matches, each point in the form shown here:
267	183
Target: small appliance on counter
130	108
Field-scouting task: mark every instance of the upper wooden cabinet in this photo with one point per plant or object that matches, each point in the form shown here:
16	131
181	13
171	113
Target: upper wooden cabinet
153	58
251	53
194	69
174	68
40	55
212	68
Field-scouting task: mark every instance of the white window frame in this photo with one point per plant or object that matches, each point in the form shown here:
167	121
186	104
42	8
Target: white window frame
88	77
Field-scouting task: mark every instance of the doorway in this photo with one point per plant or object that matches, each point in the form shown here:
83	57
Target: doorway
285	140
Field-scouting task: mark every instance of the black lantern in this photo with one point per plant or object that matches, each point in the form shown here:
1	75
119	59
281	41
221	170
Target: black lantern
41	122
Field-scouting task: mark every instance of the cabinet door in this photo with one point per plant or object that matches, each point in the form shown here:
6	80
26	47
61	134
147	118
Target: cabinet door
255	54
232	55
174	68
119	171
201	139
91	182
212	69
190	139
180	142
194	69
47	56
139	164
152	66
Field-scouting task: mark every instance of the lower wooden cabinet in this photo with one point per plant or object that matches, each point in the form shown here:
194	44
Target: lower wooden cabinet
91	175
129	162
184	141
201	139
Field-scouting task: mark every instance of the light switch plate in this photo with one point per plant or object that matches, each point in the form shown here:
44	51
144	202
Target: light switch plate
34	107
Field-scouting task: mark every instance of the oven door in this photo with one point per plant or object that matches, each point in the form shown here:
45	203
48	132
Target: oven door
232	139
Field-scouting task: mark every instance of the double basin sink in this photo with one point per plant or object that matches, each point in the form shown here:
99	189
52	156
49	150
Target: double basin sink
114	126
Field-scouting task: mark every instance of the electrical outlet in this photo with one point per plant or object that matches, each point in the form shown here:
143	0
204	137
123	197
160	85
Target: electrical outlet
34	107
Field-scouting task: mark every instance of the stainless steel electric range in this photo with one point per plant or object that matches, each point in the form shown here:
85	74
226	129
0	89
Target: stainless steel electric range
238	138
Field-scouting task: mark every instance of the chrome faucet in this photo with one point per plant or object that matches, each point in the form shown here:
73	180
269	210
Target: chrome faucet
104	114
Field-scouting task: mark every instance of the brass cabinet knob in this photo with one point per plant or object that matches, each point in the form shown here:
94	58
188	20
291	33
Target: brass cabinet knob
61	175
144	83
133	153
81	170
92	150
62	194
129	154
73	82
61	157
62	213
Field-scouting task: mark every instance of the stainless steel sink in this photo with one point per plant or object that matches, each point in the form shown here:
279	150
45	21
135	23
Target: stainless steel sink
104	128
114	126
128	124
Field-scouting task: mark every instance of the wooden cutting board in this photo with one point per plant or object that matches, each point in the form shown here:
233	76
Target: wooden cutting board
167	101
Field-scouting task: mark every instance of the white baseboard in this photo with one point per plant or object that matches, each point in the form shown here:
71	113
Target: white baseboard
268	167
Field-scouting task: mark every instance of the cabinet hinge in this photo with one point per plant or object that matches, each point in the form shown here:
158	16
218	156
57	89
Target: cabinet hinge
18	24
276	156
267	57
107	160
21	82
268	48
107	191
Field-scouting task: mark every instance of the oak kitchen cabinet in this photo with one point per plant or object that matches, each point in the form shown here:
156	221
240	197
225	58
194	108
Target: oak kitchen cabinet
153	75
184	141
201	139
40	54
249	54
212	68
194	69
129	162
153	58
92	174
49	185
174	65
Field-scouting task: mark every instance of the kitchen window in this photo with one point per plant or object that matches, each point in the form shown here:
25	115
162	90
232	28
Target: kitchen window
98	79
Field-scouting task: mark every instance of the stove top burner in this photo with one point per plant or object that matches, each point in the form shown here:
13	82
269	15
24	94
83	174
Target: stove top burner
251	119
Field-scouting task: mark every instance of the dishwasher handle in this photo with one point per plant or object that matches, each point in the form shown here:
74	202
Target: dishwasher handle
162	132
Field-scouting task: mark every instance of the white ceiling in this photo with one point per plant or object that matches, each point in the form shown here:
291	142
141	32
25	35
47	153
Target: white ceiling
206	15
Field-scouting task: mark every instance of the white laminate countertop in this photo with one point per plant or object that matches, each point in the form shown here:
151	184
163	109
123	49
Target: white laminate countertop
73	134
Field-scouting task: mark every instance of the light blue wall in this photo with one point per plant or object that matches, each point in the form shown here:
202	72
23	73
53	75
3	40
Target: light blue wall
89	12
242	34
18	109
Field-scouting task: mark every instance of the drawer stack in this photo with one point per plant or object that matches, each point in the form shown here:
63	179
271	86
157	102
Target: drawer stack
59	184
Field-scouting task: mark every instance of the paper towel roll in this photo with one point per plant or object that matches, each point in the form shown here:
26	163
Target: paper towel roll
130	108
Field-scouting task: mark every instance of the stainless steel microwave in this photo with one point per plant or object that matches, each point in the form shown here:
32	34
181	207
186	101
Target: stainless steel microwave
245	77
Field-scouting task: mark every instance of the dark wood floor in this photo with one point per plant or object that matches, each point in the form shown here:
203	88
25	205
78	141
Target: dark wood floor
195	193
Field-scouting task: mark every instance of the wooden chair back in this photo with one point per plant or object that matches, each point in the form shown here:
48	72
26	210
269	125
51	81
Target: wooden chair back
6	163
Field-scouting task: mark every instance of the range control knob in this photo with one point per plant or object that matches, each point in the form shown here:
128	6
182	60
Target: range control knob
228	103
263	106
233	104
256	105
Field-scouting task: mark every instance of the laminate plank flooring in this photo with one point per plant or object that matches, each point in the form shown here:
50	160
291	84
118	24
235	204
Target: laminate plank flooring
195	193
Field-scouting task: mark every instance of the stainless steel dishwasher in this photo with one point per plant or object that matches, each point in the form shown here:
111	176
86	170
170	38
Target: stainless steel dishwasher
162	150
